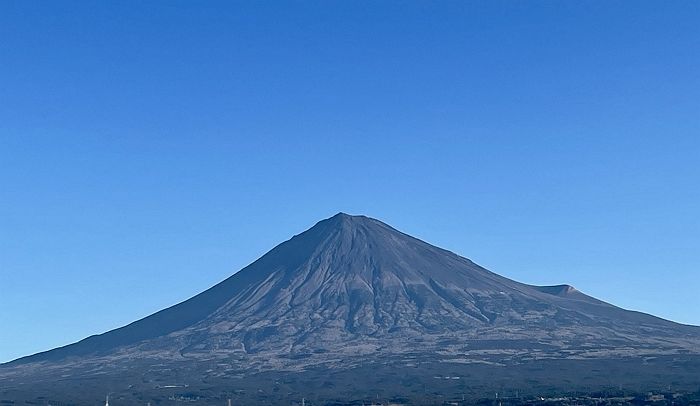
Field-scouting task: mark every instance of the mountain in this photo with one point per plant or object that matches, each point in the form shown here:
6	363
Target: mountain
353	299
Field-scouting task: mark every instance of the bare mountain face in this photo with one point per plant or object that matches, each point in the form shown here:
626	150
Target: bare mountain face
352	291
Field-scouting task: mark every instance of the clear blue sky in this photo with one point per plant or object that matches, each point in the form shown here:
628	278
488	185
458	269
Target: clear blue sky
150	149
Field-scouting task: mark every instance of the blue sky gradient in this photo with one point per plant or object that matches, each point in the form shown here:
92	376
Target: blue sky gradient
151	149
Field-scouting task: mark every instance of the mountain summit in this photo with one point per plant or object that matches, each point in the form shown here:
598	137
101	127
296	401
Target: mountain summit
352	290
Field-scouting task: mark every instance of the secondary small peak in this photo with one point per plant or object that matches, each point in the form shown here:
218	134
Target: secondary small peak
557	290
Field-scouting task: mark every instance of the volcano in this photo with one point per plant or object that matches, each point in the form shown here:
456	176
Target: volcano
352	308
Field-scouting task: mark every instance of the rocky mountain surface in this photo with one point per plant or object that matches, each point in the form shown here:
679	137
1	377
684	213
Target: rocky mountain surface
354	299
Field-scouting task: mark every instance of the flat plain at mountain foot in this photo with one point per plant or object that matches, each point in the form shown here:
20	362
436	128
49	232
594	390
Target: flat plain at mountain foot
354	310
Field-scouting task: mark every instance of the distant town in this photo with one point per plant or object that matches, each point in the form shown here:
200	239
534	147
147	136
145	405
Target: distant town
593	399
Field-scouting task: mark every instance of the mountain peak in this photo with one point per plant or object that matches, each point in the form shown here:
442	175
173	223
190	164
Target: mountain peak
344	218
352	226
341	214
